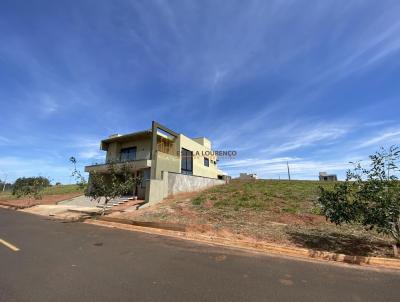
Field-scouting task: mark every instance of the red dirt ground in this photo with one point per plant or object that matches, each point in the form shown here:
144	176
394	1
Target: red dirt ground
303	219
47	199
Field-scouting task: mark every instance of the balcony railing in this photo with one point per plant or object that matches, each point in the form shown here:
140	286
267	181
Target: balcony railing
119	165
140	155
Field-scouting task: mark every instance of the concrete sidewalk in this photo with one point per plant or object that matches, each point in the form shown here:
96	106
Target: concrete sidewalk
82	201
65	212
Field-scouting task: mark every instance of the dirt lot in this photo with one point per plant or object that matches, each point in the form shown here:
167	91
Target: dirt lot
51	195
265	211
47	199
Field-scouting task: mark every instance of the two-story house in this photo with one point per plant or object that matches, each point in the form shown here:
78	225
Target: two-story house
166	161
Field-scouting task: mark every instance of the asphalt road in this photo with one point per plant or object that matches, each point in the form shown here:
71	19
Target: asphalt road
79	262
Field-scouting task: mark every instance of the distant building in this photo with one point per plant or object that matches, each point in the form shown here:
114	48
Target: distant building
323	176
248	176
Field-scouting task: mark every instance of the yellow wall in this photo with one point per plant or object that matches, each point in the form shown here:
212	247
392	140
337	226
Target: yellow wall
143	147
165	162
198	160
112	152
203	141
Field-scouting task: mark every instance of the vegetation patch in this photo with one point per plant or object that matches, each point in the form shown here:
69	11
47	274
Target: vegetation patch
282	212
282	196
49	195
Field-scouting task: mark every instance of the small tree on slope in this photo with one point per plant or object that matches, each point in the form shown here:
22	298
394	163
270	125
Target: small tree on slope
370	196
115	183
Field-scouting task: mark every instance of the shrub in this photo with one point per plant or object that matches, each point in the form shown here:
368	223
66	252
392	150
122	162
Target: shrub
199	200
30	186
369	196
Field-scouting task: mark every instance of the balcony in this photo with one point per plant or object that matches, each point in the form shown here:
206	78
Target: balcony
131	165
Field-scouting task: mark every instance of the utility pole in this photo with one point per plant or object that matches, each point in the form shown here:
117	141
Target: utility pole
288	170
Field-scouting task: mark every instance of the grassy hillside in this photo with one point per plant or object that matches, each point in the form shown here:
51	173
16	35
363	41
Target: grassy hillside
266	210
270	195
62	189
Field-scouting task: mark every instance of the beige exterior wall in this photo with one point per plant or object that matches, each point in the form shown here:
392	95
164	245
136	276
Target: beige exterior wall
112	152
157	189
165	162
198	160
172	163
143	148
203	141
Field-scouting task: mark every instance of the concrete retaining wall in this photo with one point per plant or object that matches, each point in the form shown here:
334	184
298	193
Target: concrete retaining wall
172	183
178	183
157	189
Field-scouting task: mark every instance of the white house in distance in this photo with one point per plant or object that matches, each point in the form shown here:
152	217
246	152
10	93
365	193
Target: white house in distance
323	176
248	176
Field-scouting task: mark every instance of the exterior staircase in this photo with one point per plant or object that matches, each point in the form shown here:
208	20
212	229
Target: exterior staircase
119	201
116	202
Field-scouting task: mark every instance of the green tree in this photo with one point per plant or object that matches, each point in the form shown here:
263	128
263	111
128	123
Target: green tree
370	196
30	186
116	182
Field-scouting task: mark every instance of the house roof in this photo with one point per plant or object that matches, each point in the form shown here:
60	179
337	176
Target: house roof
142	134
123	138
326	174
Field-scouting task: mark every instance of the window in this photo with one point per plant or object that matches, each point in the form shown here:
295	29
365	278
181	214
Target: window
206	162
186	162
128	154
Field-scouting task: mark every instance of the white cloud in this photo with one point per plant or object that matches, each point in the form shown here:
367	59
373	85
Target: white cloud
4	140
306	137
378	123
16	167
91	154
387	137
218	77
47	105
254	162
87	148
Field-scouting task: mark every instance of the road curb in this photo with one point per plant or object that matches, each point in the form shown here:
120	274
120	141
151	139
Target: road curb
15	207
156	225
6	207
260	247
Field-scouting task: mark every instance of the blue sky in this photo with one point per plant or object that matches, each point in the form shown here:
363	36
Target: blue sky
316	83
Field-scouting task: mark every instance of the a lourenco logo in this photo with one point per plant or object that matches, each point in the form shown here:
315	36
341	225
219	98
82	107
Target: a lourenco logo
227	154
